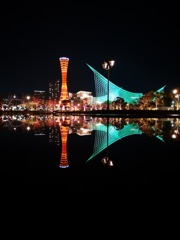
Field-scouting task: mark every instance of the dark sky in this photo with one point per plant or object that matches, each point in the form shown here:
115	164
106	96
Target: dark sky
143	38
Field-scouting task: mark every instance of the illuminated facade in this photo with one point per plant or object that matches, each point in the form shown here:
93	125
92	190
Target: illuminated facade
64	95
86	96
114	91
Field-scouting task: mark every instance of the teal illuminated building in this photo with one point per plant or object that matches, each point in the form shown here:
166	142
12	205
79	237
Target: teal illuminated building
101	84
101	130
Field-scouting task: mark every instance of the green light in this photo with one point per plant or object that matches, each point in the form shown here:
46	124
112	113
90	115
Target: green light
100	142
114	91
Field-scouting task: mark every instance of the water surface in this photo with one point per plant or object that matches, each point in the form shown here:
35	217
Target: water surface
62	157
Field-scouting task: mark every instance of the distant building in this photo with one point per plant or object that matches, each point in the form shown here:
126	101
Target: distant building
40	96
54	91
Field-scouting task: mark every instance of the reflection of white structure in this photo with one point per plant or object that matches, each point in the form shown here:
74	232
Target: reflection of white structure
84	131
86	127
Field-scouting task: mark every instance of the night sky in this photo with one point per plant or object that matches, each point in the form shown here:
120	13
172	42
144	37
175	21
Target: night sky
143	38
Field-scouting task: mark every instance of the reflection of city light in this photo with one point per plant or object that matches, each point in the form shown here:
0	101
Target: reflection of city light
63	166
110	163
104	160
28	128
174	136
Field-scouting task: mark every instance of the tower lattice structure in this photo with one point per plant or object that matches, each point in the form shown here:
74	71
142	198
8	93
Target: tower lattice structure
64	62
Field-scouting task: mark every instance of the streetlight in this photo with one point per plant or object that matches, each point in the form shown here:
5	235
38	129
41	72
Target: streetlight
28	98
27	103
107	66
176	96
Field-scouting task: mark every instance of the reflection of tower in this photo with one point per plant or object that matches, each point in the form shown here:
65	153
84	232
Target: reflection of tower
64	68
64	135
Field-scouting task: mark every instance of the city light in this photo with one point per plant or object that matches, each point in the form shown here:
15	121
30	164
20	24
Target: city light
176	98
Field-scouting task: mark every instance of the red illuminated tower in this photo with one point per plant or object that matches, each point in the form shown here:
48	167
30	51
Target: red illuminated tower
64	95
64	135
